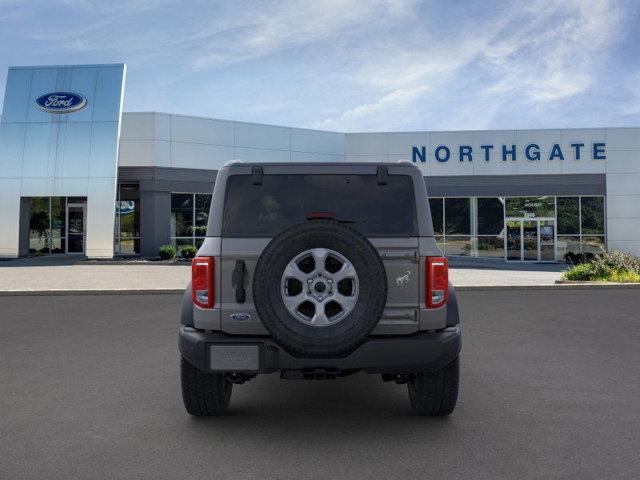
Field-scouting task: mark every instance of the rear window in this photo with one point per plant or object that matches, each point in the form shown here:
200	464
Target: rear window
283	201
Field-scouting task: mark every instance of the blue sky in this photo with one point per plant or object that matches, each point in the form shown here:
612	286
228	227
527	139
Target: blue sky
351	65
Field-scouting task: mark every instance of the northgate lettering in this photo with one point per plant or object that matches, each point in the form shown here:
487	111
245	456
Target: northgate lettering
531	152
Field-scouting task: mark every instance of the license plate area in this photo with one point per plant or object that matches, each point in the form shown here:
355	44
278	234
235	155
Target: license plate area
234	358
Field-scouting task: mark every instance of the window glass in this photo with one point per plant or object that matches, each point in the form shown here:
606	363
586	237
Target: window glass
181	242
568	216
39	225
181	214
127	224
457	216
283	201
490	216
457	245
58	244
436	215
203	202
129	211
593	244
530	207
567	244
592	215
58	217
491	246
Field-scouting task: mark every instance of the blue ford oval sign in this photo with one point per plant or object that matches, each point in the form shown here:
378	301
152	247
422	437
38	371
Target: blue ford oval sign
61	102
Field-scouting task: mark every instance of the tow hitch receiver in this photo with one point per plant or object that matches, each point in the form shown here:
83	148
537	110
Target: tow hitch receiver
311	374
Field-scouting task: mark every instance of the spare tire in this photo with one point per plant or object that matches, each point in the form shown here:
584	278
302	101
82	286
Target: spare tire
320	288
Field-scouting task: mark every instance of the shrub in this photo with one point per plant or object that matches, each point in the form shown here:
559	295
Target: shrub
615	266
617	260
583	271
167	252
188	251
624	277
578	258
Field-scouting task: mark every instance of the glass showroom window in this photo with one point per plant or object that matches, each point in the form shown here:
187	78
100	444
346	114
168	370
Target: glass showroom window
47	227
127	228
530	207
437	217
451	219
189	216
568	225
457	226
592	224
580	225
490	227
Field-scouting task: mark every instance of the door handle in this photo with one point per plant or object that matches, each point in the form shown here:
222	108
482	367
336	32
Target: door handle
238	281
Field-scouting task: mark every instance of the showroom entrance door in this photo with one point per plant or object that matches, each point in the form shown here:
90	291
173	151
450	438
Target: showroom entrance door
532	240
76	230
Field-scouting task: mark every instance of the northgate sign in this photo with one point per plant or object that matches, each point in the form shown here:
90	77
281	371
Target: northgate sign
531	152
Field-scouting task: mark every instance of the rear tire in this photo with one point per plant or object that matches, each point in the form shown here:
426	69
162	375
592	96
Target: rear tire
434	394
204	394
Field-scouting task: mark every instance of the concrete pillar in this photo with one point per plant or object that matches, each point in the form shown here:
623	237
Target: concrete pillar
155	220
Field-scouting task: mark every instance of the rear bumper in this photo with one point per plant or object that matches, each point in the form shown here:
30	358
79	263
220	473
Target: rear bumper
219	352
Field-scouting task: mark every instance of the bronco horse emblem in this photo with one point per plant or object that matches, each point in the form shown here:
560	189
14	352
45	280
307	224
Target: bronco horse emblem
403	280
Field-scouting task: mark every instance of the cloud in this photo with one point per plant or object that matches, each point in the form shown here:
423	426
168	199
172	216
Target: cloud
284	25
343	64
536	55
551	57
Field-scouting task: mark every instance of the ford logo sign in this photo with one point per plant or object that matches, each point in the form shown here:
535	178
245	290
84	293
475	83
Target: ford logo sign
61	102
240	316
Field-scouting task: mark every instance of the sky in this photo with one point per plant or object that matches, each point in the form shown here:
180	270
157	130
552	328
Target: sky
351	65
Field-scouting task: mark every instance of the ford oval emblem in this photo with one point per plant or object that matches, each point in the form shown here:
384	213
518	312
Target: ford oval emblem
240	316
61	102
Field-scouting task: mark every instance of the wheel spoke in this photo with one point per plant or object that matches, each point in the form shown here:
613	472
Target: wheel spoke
320	318
347	271
294	301
346	302
319	259
319	287
293	271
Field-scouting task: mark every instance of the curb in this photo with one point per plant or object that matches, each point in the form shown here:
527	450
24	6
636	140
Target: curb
551	286
156	291
182	263
459	288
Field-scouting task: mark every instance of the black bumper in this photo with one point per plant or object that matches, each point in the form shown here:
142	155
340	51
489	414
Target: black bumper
420	352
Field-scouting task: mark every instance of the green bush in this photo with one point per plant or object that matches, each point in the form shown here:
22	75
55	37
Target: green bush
582	271
615	266
617	260
188	251
167	252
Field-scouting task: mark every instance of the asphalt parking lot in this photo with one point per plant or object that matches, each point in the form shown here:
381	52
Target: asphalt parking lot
550	384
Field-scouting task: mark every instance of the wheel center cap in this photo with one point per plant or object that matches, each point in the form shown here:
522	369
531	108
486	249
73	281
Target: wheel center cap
320	287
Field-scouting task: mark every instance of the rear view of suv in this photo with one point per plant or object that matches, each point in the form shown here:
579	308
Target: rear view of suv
318	271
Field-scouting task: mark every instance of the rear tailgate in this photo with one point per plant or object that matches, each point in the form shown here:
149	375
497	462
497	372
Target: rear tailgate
404	283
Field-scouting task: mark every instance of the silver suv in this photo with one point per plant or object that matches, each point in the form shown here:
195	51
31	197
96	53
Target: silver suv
319	271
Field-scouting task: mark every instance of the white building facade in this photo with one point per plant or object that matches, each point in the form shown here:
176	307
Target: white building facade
517	195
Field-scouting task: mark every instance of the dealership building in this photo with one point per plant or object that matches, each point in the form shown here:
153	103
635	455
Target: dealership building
79	176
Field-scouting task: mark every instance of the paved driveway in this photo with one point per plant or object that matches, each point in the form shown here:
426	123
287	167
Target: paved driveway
63	274
550	386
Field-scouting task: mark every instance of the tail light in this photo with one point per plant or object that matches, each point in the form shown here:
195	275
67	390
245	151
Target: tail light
202	284
437	272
